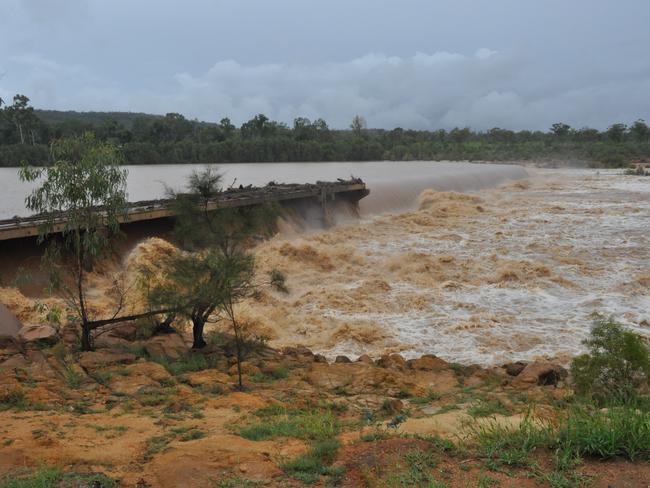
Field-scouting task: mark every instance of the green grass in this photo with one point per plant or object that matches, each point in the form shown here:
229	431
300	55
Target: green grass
301	424
238	483
277	374
187	364
52	477
615	432
72	378
415	469
14	399
431	396
507	446
309	467
487	408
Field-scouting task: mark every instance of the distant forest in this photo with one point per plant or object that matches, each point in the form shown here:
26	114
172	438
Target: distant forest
25	135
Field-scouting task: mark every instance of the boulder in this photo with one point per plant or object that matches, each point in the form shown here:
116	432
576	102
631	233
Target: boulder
364	358
170	346
392	361
513	369
319	358
38	334
125	330
428	362
342	359
540	373
299	354
100	359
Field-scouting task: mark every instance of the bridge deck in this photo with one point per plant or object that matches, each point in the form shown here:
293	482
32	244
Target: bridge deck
353	190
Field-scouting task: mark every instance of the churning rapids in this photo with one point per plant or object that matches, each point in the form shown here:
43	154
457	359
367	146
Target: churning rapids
481	274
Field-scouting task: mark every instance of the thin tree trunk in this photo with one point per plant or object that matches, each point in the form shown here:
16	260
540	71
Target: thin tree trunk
86	339
197	334
22	137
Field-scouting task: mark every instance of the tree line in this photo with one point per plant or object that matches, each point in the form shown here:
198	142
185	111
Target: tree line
26	134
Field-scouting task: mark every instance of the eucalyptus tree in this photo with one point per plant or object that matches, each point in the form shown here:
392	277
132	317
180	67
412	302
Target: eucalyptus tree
214	268
82	196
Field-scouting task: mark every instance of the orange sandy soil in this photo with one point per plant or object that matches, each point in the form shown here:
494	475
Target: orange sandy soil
129	418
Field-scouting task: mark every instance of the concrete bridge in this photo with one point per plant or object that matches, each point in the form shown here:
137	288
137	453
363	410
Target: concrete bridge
324	195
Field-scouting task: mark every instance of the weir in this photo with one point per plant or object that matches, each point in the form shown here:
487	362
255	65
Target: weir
325	195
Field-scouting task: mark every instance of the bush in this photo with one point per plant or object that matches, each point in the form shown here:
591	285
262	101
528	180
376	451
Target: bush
617	367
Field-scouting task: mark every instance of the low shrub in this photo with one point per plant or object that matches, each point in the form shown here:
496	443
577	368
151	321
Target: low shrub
617	367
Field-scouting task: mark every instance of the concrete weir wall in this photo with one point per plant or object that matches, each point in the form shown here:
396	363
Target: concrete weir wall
322	195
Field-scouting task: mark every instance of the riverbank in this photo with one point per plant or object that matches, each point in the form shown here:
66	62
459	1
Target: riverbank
148	413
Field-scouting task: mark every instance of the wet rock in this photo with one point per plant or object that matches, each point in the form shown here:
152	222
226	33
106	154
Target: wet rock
541	373
392	361
38	335
170	346
100	359
364	358
514	369
342	359
427	362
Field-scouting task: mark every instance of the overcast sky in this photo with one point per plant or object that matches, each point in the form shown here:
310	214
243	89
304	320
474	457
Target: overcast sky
411	63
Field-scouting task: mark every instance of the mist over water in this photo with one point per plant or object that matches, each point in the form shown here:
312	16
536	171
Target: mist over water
393	185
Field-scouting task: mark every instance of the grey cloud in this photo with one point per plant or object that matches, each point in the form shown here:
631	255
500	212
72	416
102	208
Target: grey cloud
509	63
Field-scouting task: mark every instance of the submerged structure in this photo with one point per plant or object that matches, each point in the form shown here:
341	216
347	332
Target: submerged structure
316	201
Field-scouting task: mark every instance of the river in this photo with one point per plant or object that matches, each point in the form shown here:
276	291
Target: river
394	185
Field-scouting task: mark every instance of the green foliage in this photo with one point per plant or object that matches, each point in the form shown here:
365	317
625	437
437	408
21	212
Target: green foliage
84	177
52	477
309	467
486	408
615	432
415	469
430	396
300	424
502	445
172	139
617	367
73	378
13	399
186	364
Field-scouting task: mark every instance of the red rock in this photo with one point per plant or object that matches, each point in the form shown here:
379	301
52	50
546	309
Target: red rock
38	334
428	362
392	361
540	373
103	358
166	346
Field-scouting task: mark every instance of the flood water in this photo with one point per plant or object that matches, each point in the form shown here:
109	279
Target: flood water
474	263
393	185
